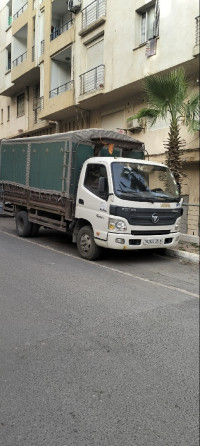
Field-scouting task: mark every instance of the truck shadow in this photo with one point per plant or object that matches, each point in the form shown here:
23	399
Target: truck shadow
137	256
63	242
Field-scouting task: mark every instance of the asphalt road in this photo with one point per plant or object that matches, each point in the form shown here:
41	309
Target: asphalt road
95	353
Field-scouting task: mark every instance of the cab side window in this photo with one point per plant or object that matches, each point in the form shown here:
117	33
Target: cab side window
91	182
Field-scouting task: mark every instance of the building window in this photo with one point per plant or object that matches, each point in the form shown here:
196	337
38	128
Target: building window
147	25
8	57
8	113
2	116
20	105
149	21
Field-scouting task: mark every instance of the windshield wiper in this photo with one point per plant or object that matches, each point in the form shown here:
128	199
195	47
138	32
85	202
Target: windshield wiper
142	196
128	192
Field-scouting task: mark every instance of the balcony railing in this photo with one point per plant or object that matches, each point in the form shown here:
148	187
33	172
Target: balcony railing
61	89
197	35
42	103
20	11
33	53
59	30
20	59
42	47
93	12
92	80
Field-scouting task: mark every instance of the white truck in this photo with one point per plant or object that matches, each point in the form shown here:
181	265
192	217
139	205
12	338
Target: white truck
94	184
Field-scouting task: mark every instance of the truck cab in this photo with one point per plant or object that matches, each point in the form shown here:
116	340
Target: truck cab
129	203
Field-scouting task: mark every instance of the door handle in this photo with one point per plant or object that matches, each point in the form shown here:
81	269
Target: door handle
81	201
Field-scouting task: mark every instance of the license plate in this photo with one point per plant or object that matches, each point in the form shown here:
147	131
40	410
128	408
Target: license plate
153	241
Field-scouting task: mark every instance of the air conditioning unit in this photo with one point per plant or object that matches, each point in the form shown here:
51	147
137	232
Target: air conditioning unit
74	5
133	124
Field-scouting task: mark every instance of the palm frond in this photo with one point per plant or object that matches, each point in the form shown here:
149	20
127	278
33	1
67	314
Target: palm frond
146	113
192	112
166	91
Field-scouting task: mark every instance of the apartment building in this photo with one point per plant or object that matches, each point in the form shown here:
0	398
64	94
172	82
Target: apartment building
75	64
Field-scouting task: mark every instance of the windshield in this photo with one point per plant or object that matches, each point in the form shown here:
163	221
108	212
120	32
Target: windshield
144	182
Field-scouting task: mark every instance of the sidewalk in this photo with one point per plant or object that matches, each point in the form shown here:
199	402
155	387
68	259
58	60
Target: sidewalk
188	248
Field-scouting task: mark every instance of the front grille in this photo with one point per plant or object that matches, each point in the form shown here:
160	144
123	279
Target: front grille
147	217
149	232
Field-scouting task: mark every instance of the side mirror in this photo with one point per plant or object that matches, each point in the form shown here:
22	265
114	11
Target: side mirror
103	185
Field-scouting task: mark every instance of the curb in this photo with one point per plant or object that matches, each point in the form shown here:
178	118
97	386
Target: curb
193	258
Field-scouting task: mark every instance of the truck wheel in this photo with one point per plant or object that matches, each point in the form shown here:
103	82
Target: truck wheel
35	229
86	245
23	225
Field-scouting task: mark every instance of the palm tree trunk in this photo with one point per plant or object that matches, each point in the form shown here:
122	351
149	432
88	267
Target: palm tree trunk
173	152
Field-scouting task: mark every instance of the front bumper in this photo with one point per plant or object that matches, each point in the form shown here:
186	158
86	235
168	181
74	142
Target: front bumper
129	242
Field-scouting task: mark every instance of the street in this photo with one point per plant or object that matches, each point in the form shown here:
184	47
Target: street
96	353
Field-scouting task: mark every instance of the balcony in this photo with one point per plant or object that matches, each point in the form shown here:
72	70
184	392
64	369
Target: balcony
19	46
92	80
23	67
20	11
196	49
61	19
58	31
92	16
20	59
61	89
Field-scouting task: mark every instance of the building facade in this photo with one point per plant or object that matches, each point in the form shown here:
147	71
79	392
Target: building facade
75	64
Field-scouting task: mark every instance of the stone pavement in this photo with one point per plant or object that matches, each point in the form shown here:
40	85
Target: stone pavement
187	249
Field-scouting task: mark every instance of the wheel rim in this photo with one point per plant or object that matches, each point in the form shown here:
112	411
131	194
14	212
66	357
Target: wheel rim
85	243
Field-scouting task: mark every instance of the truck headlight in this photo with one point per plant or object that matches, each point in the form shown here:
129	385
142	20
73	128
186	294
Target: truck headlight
118	225
177	225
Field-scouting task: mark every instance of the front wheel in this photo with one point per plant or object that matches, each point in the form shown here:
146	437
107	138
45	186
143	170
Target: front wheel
86	245
23	225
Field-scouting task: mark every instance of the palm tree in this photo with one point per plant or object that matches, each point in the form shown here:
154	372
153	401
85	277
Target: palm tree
168	95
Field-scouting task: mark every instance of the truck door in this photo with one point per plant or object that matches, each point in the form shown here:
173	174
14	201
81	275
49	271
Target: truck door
93	204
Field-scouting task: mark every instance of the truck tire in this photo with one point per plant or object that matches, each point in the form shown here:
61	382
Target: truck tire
35	229
23	225
86	245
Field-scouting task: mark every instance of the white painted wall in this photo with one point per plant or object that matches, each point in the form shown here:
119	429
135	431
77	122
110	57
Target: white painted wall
112	120
5	40
123	64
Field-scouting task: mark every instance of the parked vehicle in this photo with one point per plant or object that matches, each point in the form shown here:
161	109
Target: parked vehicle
94	184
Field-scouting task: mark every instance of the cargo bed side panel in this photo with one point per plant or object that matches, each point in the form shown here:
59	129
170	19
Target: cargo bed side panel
47	166
13	163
